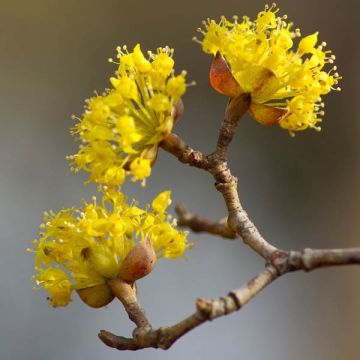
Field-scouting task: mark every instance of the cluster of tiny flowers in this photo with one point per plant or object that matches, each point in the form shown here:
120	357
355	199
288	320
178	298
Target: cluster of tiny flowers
262	60
120	130
83	248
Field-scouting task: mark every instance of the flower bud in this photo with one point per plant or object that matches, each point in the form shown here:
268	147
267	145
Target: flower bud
176	86
141	63
101	260
96	296
139	262
307	44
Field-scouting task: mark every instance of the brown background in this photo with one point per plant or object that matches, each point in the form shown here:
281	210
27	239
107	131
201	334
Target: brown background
301	192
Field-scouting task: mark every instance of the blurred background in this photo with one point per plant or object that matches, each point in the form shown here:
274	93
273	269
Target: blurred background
301	192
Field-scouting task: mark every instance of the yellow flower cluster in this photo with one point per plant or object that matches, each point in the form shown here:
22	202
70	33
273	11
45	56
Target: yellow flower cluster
120	130
83	248
262	60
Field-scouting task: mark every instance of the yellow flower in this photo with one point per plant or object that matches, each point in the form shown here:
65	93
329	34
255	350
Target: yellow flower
257	57
56	282
120	130
84	248
161	202
140	168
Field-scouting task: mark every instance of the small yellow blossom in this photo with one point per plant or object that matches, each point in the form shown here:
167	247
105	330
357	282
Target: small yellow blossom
57	283
140	168
83	248
285	84
120	130
161	202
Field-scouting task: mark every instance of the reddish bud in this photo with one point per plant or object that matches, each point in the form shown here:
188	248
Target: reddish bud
139	262
177	110
221	78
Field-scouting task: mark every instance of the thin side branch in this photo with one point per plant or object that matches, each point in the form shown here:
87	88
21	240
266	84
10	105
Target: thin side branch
307	259
184	153
207	310
235	110
278	262
225	182
238	219
201	224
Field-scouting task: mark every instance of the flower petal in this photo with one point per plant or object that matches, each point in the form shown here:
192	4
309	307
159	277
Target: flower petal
260	82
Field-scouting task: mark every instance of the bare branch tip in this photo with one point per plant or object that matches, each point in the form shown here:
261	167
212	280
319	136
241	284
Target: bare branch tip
107	338
180	209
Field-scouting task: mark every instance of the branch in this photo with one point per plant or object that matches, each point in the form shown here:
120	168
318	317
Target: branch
206	310
285	261
200	224
235	110
278	262
225	182
184	153
310	259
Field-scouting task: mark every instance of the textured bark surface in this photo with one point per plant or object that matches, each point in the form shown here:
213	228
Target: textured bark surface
238	225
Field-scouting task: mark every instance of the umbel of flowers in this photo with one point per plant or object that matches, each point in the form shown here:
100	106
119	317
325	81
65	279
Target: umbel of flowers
86	249
120	130
258	58
100	249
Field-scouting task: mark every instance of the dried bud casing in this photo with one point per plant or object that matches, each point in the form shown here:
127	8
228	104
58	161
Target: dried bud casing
151	154
96	296
267	115
177	110
221	78
139	262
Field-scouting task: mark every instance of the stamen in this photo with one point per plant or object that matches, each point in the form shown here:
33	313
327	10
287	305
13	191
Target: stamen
110	60
273	6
